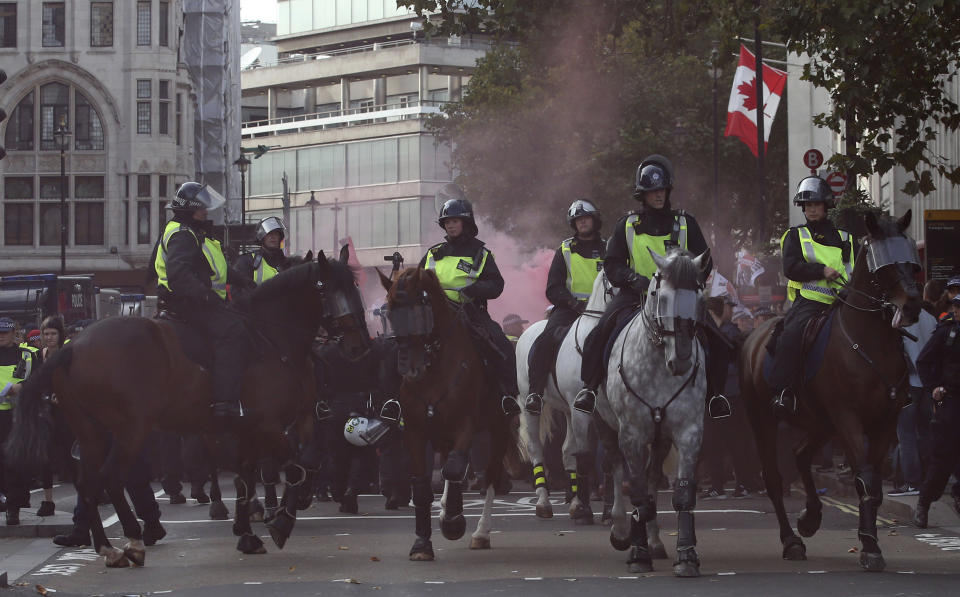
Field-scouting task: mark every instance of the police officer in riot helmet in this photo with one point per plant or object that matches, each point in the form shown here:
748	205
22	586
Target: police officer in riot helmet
575	266
266	262
629	267
192	277
817	260
470	277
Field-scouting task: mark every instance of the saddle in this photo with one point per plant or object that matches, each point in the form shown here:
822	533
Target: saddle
813	346
621	319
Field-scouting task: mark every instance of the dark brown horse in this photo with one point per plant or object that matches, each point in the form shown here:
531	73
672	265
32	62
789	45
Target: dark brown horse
857	393
446	397
125	376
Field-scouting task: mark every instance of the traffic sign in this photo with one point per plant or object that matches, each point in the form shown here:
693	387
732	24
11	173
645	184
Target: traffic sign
813	159
837	182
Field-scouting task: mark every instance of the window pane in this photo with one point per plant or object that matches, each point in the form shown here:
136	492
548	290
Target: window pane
164	24
54	100
88	223
54	24
18	224
8	25
143	185
88	134
143	222
143	23
409	222
162	187
49	223
101	24
88	187
163	117
143	118
179	117
143	88
50	187
18	187
19	133
164	90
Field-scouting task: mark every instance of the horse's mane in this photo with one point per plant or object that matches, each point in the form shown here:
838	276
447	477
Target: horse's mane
680	270
294	279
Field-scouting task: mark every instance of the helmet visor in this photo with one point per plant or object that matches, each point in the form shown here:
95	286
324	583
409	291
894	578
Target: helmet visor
811	190
209	198
270	224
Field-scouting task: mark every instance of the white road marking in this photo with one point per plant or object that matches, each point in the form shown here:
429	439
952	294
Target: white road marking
112	520
944	543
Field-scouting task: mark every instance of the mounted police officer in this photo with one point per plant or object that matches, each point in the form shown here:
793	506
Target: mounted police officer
628	265
939	368
16	364
192	277
817	261
266	262
470	277
575	266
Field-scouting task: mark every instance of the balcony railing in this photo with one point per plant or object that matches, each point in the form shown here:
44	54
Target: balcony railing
409	110
298	58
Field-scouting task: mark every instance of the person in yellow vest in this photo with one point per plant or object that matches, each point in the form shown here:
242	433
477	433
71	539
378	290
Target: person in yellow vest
817	261
575	266
16	364
192	277
267	261
513	326
628	265
470	277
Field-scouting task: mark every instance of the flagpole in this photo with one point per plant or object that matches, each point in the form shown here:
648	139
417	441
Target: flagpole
758	46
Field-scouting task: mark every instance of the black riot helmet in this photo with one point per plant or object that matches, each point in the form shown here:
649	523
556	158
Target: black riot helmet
193	196
814	189
268	225
583	207
455	205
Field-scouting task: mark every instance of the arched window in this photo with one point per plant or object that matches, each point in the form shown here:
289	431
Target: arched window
54	105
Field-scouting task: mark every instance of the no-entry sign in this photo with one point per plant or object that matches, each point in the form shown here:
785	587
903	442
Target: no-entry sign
837	182
813	159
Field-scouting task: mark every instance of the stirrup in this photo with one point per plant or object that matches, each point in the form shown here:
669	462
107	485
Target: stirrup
509	405
390	411
322	410
718	407
533	404
785	403
586	401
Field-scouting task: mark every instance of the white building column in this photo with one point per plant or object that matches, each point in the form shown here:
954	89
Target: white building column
424	84
344	93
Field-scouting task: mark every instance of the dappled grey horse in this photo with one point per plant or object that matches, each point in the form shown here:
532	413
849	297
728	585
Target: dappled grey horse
655	389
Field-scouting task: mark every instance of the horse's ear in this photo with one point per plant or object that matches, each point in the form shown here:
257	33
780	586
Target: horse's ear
904	222
322	259
309	256
702	261
657	259
873	227
344	254
386	282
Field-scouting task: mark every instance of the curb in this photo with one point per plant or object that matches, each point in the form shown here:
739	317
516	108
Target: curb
32	526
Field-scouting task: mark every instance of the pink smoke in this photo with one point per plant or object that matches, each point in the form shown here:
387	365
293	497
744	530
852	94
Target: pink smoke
524	274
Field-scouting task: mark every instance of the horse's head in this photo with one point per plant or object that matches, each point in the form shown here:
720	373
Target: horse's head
414	301
603	292
893	261
341	305
675	304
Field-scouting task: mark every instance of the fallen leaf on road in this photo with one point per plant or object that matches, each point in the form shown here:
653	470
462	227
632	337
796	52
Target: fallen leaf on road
893	533
374	559
353	581
343	548
41	589
673	534
852	550
559	534
292	568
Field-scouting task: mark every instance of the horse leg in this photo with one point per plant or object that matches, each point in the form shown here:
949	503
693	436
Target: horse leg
89	486
868	481
114	470
481	537
644	506
654	474
530	434
422	550
684	501
217	511
244	483
621	527
577	440
270	476
281	525
452	523
809	520
765	432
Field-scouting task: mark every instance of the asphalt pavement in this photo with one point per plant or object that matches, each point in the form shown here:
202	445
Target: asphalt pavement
334	553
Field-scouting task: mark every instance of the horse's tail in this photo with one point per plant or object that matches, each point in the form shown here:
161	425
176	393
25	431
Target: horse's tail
28	443
547	423
515	463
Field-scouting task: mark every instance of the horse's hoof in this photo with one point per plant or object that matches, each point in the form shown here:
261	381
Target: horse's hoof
135	552
686	569
422	550
480	543
453	528
280	528
618	543
794	549
872	562
607	516
114	558
808	523
237	530
544	511
639	560
658	552
251	544
256	511
581	514
218	511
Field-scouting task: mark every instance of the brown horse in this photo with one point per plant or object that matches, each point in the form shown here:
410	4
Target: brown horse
446	397
857	393
125	376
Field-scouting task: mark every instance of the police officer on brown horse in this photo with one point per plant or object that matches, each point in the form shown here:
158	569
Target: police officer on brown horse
266	262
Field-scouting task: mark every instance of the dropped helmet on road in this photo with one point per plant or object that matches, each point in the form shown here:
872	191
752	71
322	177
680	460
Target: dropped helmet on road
363	431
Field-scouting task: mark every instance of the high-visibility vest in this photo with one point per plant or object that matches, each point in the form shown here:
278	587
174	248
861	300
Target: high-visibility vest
824	291
7	377
262	271
211	250
456	273
581	271
640	260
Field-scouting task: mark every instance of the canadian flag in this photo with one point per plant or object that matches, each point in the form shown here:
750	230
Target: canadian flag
742	109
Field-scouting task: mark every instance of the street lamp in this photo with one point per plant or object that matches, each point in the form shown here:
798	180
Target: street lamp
242	163
62	135
313	203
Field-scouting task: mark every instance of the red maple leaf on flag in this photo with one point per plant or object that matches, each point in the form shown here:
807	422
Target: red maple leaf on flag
749	92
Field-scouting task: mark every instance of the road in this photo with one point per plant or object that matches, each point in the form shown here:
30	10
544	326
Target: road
333	553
